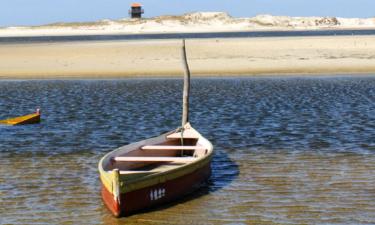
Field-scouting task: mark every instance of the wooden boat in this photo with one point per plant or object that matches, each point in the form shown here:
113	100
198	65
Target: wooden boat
157	170
22	120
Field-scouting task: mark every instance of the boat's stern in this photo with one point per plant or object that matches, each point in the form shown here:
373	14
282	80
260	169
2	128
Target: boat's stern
111	202
110	190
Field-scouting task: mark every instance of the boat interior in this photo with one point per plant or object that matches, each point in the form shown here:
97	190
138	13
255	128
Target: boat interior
169	153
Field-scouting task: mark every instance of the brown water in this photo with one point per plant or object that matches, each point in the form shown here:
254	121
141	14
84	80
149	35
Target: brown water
287	150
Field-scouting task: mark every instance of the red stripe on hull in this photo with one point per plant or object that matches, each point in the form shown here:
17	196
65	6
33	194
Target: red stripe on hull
156	195
110	202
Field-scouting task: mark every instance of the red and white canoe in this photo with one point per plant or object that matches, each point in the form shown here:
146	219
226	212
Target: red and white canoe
155	171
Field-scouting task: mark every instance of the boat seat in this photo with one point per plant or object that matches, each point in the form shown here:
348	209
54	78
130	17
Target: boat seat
154	159
172	147
187	134
135	172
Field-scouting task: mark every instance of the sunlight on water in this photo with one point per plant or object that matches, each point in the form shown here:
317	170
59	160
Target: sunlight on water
287	150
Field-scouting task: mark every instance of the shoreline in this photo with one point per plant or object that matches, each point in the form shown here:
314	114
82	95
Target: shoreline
79	33
194	77
180	75
218	57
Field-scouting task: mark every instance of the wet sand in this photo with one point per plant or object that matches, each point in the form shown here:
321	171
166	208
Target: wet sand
207	57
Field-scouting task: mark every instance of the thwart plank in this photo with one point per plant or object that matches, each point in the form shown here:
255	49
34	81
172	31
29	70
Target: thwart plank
189	134
155	159
135	172
172	147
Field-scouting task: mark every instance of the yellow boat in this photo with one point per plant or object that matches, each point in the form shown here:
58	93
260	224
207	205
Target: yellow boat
21	120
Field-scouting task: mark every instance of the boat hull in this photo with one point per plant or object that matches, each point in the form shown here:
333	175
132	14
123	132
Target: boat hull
155	195
22	120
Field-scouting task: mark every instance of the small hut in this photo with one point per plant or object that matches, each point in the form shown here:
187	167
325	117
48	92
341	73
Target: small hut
136	10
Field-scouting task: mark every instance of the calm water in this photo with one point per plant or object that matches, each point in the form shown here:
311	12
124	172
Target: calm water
288	150
245	34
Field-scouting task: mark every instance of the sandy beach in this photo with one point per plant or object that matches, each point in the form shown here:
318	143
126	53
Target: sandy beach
207	57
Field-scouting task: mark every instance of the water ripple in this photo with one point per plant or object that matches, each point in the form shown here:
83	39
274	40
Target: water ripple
294	150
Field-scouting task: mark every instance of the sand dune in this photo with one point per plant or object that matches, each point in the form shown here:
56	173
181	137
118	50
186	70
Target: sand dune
192	22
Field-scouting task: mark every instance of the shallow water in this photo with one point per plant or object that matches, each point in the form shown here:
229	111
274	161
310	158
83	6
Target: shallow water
287	150
245	34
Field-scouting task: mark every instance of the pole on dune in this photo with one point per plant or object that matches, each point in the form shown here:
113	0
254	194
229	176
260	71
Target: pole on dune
185	101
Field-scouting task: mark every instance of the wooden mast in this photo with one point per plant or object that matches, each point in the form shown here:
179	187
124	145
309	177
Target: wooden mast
185	101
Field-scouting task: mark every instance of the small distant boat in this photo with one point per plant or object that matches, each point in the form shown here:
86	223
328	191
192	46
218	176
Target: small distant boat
156	170
22	120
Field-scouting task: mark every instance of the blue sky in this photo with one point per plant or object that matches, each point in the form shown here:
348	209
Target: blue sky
35	12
